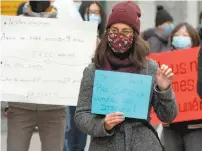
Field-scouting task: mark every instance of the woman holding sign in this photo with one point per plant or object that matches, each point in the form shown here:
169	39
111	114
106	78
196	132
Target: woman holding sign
122	50
183	136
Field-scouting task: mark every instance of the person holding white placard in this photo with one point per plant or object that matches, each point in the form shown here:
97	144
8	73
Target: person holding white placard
123	50
24	117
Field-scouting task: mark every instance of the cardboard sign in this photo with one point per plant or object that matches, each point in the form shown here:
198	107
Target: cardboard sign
121	92
184	64
40	65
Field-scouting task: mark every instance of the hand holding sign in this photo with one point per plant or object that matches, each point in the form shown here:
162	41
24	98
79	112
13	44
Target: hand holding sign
164	77
112	120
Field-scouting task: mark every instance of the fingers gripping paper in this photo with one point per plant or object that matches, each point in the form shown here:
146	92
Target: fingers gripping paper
42	60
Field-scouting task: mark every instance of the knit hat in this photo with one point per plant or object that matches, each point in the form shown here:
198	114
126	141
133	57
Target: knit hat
162	16
126	12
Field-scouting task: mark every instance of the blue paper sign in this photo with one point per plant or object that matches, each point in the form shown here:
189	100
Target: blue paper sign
121	92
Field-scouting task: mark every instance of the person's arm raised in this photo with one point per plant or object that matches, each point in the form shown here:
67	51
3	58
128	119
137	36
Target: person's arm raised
163	101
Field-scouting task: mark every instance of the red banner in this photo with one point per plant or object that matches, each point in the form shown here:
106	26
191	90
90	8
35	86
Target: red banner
184	64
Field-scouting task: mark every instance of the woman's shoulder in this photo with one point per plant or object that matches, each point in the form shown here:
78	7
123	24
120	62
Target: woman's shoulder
89	70
150	67
152	64
91	67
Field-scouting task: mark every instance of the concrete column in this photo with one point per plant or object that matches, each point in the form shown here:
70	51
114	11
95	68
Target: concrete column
192	13
110	5
177	9
148	9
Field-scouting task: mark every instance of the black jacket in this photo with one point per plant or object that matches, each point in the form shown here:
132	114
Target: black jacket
199	82
199	30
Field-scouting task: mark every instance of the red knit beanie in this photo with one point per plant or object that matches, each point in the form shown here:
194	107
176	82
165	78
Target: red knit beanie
127	13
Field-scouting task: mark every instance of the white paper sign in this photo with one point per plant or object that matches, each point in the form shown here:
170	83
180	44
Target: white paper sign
42	60
67	9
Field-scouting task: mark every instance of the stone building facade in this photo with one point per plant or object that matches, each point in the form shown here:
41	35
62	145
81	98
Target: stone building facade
182	11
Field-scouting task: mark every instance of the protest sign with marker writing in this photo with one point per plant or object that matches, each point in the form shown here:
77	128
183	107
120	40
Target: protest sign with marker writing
121	92
43	59
184	64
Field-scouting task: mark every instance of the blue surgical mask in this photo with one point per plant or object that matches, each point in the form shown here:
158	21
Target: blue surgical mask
93	18
78	5
181	42
168	28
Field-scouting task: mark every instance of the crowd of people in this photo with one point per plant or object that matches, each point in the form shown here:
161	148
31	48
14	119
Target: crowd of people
120	47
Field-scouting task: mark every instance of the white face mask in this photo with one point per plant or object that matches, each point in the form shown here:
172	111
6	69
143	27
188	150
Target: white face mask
93	18
181	42
168	28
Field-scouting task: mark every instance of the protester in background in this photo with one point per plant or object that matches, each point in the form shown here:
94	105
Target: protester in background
20	9
89	11
23	117
199	82
93	11
19	12
200	26
183	136
40	9
184	36
158	37
121	49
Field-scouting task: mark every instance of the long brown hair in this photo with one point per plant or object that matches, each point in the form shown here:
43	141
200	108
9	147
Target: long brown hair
192	32
137	57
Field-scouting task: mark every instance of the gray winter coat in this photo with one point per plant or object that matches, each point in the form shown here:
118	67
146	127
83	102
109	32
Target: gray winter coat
130	135
157	39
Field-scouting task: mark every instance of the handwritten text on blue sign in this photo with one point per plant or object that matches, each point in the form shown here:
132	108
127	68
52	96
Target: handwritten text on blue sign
121	92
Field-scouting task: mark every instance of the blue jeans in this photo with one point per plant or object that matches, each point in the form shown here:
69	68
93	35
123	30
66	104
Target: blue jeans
75	140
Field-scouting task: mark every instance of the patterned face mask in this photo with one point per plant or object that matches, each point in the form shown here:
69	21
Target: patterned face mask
120	43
